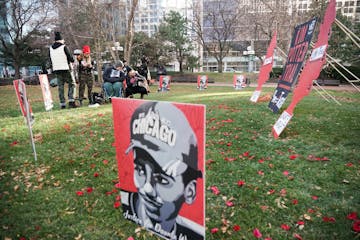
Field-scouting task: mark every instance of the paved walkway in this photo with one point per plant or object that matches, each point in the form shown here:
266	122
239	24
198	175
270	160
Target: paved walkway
343	87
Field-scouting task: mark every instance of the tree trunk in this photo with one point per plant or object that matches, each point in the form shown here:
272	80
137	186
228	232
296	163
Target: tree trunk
130	32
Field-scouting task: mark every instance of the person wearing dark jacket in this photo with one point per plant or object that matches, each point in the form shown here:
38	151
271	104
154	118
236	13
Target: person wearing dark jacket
113	80
61	57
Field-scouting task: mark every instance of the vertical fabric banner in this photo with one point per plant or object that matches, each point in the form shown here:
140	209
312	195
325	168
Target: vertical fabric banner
160	151
265	69
298	49
164	83
311	69
20	90
45	88
239	82
202	82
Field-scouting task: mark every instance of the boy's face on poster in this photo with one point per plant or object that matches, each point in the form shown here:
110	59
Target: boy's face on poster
161	194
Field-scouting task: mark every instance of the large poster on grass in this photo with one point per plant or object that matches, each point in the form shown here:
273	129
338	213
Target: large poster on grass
311	69
164	83
202	82
298	49
160	155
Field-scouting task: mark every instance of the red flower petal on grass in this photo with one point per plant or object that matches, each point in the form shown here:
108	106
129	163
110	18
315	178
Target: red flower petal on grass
315	197
297	236
293	157
268	238
130	238
117	204
271	191
261	160
117	185
105	162
356	226
260	173
96	174
14	143
329	219
215	190
246	154
257	233
300	223
229	159
352	216
236	228
286	173
295	201
79	193
241	183
285	227
229	144
89	190
214	230
229	203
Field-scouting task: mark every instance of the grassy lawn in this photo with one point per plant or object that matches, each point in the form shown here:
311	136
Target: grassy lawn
304	185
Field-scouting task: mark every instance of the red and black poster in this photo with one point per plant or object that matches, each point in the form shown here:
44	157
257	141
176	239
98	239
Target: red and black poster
164	83
20	90
202	82
160	151
239	81
265	69
298	49
311	69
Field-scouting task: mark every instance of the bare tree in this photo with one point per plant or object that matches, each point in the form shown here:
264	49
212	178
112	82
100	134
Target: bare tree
23	20
130	31
217	27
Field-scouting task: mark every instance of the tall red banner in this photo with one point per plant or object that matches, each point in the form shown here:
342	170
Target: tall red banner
311	69
45	88
265	69
160	150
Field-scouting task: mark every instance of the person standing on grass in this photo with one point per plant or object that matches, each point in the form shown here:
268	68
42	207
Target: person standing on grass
61	58
85	75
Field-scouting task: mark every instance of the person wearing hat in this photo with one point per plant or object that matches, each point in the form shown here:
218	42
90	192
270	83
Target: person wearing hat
85	74
113	80
60	58
165	153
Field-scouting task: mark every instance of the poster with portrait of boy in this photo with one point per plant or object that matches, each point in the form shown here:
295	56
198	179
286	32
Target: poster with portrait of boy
160	151
164	83
202	82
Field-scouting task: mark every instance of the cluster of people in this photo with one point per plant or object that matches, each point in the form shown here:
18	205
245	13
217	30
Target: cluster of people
120	80
121	76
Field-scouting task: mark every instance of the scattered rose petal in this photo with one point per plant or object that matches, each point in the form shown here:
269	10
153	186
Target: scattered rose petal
241	183
246	154
271	191
105	162
14	143
261	160
257	233
229	203
79	193
260	173
293	157
329	219
215	190
236	228
286	173
300	223
89	190
314	197
352	216
356	226
214	230
130	238
295	201
96	174
349	164
117	185
285	227
117	204
297	236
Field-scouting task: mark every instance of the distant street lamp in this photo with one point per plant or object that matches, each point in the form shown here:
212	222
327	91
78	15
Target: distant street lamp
250	53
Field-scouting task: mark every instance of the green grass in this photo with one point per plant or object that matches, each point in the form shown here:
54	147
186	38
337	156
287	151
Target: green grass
75	153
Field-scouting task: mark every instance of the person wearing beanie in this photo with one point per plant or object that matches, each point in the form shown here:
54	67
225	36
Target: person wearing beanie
61	59
113	80
85	74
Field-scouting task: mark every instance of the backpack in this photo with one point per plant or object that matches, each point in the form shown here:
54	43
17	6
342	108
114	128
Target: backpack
97	98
